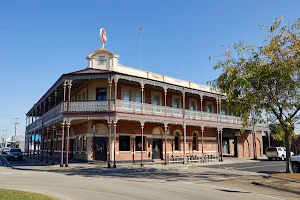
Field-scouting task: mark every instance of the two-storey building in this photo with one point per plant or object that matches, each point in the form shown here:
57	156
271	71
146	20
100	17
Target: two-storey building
114	113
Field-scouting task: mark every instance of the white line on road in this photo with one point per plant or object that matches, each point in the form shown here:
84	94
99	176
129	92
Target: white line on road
6	173
269	196
219	187
260	166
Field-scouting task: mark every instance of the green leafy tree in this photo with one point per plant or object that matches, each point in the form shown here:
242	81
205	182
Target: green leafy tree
265	79
277	133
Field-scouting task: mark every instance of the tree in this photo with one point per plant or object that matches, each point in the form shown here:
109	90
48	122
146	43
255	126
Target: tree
265	79
278	134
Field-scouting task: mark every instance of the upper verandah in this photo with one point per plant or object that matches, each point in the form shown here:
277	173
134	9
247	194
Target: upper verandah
103	61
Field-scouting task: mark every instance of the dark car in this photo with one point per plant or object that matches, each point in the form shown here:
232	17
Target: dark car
15	154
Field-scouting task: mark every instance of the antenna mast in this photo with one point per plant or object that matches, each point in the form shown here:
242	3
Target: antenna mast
140	46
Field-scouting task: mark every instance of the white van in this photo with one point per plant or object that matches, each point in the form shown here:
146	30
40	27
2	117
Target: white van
277	153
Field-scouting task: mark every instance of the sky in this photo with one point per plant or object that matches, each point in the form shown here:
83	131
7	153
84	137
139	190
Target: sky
40	40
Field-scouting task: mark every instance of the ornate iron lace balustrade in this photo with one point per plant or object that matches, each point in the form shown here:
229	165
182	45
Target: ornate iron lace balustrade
89	106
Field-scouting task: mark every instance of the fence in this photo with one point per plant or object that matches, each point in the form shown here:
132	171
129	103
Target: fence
193	158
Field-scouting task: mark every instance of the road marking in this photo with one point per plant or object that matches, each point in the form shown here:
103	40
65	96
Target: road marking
5	161
269	196
6	173
219	187
260	166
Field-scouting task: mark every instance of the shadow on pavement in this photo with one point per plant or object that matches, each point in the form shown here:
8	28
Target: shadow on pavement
142	173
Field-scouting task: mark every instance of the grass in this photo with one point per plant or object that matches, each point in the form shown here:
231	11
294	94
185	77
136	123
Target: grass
294	176
20	195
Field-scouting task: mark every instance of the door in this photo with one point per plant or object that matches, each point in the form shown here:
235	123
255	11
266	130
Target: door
225	147
72	148
101	94
156	149
100	148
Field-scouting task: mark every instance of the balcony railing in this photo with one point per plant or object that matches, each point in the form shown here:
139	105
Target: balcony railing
88	106
135	108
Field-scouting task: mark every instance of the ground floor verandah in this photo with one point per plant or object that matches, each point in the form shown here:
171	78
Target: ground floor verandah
97	140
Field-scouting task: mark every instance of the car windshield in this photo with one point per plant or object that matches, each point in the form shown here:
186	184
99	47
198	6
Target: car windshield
15	150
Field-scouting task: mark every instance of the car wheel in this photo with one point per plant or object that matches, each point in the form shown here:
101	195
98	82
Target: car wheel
270	158
295	167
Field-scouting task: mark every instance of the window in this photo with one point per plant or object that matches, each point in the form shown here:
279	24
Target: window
209	108
176	141
124	143
155	100
138	97
78	144
223	110
126	95
138	143
176	103
101	94
195	142
83	143
193	105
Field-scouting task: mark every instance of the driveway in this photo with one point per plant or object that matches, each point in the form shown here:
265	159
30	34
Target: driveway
262	166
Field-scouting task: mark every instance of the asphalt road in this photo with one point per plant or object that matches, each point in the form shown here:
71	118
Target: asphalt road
262	166
143	183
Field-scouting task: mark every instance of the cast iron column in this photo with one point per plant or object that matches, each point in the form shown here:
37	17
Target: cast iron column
47	143
52	146
62	144
67	146
142	149
166	130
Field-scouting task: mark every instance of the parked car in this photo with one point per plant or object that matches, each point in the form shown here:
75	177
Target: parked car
295	164
14	153
277	153
5	150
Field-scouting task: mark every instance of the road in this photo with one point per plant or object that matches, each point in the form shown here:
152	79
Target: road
92	182
262	166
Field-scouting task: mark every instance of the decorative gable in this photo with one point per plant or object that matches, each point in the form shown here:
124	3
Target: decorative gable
103	59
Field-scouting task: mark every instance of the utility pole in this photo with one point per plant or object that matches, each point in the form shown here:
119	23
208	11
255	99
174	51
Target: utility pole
3	144
16	125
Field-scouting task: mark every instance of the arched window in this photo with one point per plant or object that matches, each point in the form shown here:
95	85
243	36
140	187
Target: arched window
195	141
176	141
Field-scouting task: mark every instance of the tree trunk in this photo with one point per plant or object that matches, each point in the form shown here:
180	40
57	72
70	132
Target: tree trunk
287	138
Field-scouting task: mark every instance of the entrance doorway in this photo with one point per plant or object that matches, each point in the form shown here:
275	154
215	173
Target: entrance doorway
157	149
100	148
72	148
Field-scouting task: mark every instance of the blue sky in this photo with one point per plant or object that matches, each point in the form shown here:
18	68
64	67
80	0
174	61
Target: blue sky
40	40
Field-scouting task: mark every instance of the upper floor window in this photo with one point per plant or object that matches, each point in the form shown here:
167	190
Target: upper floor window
223	110
126	95
209	107
155	100
193	105
138	97
101	94
176	103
